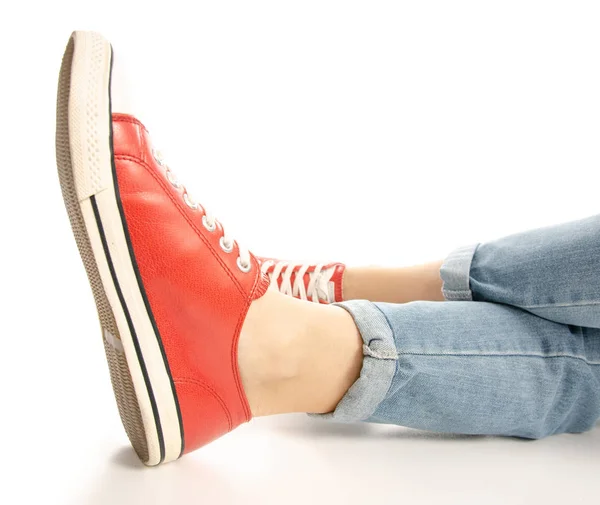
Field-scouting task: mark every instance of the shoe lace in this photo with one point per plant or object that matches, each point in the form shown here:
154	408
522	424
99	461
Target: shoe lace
208	219
280	276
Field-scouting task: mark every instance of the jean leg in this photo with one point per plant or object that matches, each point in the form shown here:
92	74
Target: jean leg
472	368
552	272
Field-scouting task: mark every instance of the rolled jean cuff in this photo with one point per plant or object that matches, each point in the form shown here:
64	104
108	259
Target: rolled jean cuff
379	364
455	274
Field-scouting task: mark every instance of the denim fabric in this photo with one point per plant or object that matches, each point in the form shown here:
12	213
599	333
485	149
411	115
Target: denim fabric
521	359
551	272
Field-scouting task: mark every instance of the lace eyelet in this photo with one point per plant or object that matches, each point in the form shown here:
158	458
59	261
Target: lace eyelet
242	267
224	246
210	226
189	203
174	182
157	157
207	225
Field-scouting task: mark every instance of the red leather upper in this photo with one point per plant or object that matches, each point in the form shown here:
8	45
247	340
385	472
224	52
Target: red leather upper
198	295
338	275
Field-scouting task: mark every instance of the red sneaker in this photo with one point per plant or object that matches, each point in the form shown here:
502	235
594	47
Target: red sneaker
320	283
171	287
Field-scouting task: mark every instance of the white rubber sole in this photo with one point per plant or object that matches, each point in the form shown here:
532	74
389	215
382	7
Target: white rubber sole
139	370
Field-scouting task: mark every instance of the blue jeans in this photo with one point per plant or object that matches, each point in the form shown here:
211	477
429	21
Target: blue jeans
515	349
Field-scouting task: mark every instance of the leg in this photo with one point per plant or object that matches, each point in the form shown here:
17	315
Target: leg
394	285
474	368
296	356
552	272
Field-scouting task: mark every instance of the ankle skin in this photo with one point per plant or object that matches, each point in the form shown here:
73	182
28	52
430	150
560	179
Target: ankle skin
296	356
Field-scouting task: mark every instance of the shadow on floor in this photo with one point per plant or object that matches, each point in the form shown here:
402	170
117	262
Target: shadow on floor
314	428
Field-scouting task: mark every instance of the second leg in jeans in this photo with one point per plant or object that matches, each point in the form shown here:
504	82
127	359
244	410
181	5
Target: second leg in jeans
472	368
552	272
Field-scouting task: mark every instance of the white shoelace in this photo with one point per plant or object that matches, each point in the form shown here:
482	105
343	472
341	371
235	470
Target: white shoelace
318	285
208	219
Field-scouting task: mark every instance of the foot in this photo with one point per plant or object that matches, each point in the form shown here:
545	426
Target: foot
318	282
171	287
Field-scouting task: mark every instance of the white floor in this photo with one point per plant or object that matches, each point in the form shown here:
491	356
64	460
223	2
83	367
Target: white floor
370	132
296	460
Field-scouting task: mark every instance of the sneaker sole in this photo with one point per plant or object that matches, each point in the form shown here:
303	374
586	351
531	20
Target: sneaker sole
139	371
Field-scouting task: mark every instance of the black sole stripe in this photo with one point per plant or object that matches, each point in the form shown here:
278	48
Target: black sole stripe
136	344
139	277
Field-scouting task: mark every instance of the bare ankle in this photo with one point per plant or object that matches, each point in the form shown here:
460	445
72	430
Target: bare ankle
266	352
395	285
297	356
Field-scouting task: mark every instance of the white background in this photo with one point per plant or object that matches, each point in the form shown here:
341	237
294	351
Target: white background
368	132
